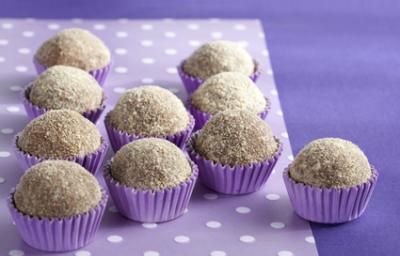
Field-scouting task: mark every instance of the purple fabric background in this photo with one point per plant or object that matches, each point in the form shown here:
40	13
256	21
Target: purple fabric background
337	70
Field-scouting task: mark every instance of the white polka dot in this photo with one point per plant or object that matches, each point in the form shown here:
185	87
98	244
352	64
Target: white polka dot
285	253
151	253
243	210
149	225
193	26
2	180
273	171
285	135
114	239
24	50
147	80
170	34
146	43
21	69
310	239
213	224
279	112
16	88
261	35
182	239
274	92
2	59
7	25
147	60
4	154
218	253
240	27
121	34
28	33
194	43
277	225
186	210
173	90
16	253
290	157
210	196
76	20
170	51
12	109
7	131
247	239
270	72
53	26
120	51
3	42
99	26
243	44
265	53
172	70
216	35
272	197
119	90
121	70
112	209
147	27
83	253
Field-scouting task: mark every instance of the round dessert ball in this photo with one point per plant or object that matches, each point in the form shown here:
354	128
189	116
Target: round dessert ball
236	138
56	189
216	57
228	90
74	47
331	163
149	111
64	87
59	134
150	164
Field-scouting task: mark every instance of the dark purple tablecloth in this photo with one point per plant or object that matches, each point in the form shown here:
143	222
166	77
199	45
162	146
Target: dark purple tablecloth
337	67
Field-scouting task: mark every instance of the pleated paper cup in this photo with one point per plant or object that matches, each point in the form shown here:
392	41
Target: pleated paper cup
34	111
120	138
151	205
191	83
90	162
99	74
329	205
201	118
58	234
236	179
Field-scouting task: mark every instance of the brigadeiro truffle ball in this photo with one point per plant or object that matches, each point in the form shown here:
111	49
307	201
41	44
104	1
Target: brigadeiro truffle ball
64	87
56	189
236	138
151	180
74	47
330	181
150	164
235	151
331	162
59	134
149	111
216	57
226	91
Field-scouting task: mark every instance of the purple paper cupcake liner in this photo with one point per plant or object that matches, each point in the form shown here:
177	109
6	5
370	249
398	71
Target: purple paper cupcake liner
192	83
90	162
58	234
34	111
148	205
233	180
201	118
99	74
329	205
119	138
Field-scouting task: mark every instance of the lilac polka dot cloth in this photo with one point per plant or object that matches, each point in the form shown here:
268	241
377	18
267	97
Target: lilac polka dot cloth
147	52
